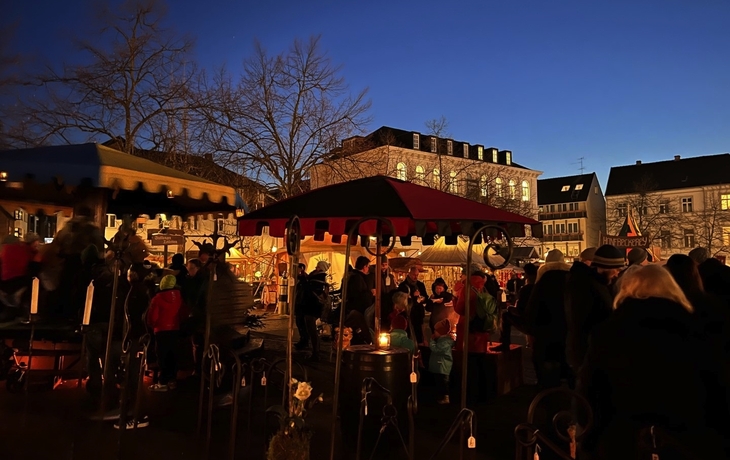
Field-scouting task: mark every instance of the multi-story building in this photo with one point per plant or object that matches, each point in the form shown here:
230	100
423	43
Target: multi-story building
572	210
679	204
474	171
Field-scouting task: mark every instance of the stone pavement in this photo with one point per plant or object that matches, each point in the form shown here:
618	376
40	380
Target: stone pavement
55	423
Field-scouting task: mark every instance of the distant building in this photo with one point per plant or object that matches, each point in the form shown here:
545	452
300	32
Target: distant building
572	210
474	171
680	204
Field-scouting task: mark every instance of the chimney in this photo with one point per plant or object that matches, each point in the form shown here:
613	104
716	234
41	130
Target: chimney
676	157
638	162
208	157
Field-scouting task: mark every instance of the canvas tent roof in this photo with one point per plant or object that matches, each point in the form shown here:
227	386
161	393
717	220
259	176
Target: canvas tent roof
444	254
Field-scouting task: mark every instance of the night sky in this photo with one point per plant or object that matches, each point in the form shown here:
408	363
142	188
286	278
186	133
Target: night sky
553	81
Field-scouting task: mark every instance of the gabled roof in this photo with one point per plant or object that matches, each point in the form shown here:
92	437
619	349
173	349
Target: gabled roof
670	174
550	191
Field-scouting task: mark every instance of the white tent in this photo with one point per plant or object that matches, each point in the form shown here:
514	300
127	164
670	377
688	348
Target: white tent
443	254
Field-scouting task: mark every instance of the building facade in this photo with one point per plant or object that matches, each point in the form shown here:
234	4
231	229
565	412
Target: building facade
474	171
679	204
572	210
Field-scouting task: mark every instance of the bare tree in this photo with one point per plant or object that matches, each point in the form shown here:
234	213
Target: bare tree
135	81
287	113
651	210
711	222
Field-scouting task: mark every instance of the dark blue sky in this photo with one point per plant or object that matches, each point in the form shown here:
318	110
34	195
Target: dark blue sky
553	81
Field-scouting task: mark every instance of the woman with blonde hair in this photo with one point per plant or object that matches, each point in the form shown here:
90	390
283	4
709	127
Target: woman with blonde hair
646	366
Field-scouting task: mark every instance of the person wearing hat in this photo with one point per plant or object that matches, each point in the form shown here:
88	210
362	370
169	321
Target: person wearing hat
699	255
545	319
589	300
442	303
164	316
398	334
177	266
637	257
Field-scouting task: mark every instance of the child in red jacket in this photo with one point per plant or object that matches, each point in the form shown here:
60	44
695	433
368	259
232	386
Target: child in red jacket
164	316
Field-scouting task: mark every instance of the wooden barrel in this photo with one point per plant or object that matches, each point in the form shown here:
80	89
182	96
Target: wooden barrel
390	368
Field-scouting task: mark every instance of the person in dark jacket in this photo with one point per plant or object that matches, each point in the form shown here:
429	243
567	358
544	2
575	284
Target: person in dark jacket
178	268
588	300
420	302
318	289
545	320
300	300
646	367
515	316
164	316
441	303
359	299
388	286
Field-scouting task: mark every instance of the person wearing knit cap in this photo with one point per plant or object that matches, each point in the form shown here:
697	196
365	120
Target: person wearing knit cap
589	300
586	256
441	360
164	316
398	335
699	255
315	296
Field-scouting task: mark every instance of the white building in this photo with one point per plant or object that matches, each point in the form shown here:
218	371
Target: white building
680	204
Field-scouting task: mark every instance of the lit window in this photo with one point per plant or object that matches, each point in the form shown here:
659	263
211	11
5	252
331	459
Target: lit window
565	188
480	152
466	150
111	221
483	186
437	178
419	173
687	204
494	156
512	189
433	144
508	158
498	186
416	141
401	171
18	232
18	214
579	187
725	202
525	191
453	186
450	147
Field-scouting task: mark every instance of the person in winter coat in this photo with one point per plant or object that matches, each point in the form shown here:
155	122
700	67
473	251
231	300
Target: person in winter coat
545	319
165	314
646	367
441	360
420	301
588	300
387	288
179	269
313	303
478	339
398	334
359	299
441	303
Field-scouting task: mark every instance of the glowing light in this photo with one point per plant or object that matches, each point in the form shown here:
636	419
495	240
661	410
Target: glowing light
402	254
3	176
257	274
274	248
384	340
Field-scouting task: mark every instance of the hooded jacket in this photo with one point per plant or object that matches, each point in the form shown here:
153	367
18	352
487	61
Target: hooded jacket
441	305
166	311
399	338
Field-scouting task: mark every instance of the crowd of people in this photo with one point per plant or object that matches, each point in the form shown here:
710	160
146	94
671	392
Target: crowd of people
646	344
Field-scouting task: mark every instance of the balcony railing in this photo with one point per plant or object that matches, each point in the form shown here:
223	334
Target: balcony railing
563	237
561	215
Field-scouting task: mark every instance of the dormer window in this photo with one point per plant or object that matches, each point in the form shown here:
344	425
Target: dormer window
416	141
494	156
480	152
565	188
433	145
466	150
508	158
579	187
450	147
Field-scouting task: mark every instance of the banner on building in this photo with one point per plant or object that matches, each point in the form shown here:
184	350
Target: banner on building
626	241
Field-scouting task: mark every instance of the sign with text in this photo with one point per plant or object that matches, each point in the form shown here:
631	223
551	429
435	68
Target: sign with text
162	239
626	241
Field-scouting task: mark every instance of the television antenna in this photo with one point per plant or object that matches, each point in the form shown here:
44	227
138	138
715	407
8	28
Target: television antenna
580	162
